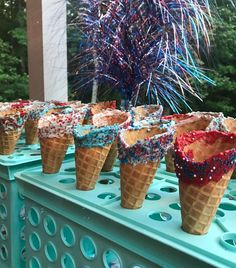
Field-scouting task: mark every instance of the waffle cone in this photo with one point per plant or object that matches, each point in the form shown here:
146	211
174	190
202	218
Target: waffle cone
89	163
199	204
8	141
135	181
111	157
31	131
169	160
53	152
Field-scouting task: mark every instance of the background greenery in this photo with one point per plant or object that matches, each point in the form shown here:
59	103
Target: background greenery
220	65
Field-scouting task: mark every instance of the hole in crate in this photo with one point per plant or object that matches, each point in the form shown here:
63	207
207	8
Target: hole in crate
106	181
232	195
88	248
227	206
21	196
19	154
3	232
34	216
228	240
67	261
3	212
22	233
50	252
22	213
35	241
25	149
67	235
111	259
220	213
23	254
175	206
4	253
107	196
10	157
3	191
160	216
35	154
34	263
152	196
168	189
67	181
50	225
71	169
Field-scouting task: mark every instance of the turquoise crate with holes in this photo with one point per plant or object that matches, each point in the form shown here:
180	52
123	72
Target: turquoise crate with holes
12	208
69	228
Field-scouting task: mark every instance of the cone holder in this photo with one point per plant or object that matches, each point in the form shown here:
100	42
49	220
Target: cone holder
12	207
92	229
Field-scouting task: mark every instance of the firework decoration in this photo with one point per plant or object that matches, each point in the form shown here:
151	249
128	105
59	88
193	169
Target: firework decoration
151	44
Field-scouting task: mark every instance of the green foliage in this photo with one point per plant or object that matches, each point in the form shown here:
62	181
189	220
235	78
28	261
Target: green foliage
222	96
13	51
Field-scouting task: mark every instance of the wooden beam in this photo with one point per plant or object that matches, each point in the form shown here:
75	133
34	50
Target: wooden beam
47	49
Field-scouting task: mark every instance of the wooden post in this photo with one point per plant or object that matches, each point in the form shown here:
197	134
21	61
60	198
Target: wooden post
47	49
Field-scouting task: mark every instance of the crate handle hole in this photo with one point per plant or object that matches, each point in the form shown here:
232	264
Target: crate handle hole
50	225
160	216
50	252
3	191
34	263
67	261
22	233
35	241
111	259
67	235
88	248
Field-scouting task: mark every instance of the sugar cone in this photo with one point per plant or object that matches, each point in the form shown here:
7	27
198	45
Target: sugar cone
169	160
31	131
199	204
135	183
111	157
8	141
89	162
53	152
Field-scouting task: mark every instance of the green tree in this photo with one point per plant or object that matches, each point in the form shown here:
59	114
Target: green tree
13	50
221	65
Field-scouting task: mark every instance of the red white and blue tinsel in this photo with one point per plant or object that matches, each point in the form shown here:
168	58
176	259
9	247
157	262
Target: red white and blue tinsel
152	44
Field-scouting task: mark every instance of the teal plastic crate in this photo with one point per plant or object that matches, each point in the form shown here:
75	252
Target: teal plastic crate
12	208
69	228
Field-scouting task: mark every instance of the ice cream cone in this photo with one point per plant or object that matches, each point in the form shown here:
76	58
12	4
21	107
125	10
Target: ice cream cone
111	117
199	204
11	124
140	152
146	111
8	141
204	164
89	163
184	123
31	131
92	147
135	183
53	152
